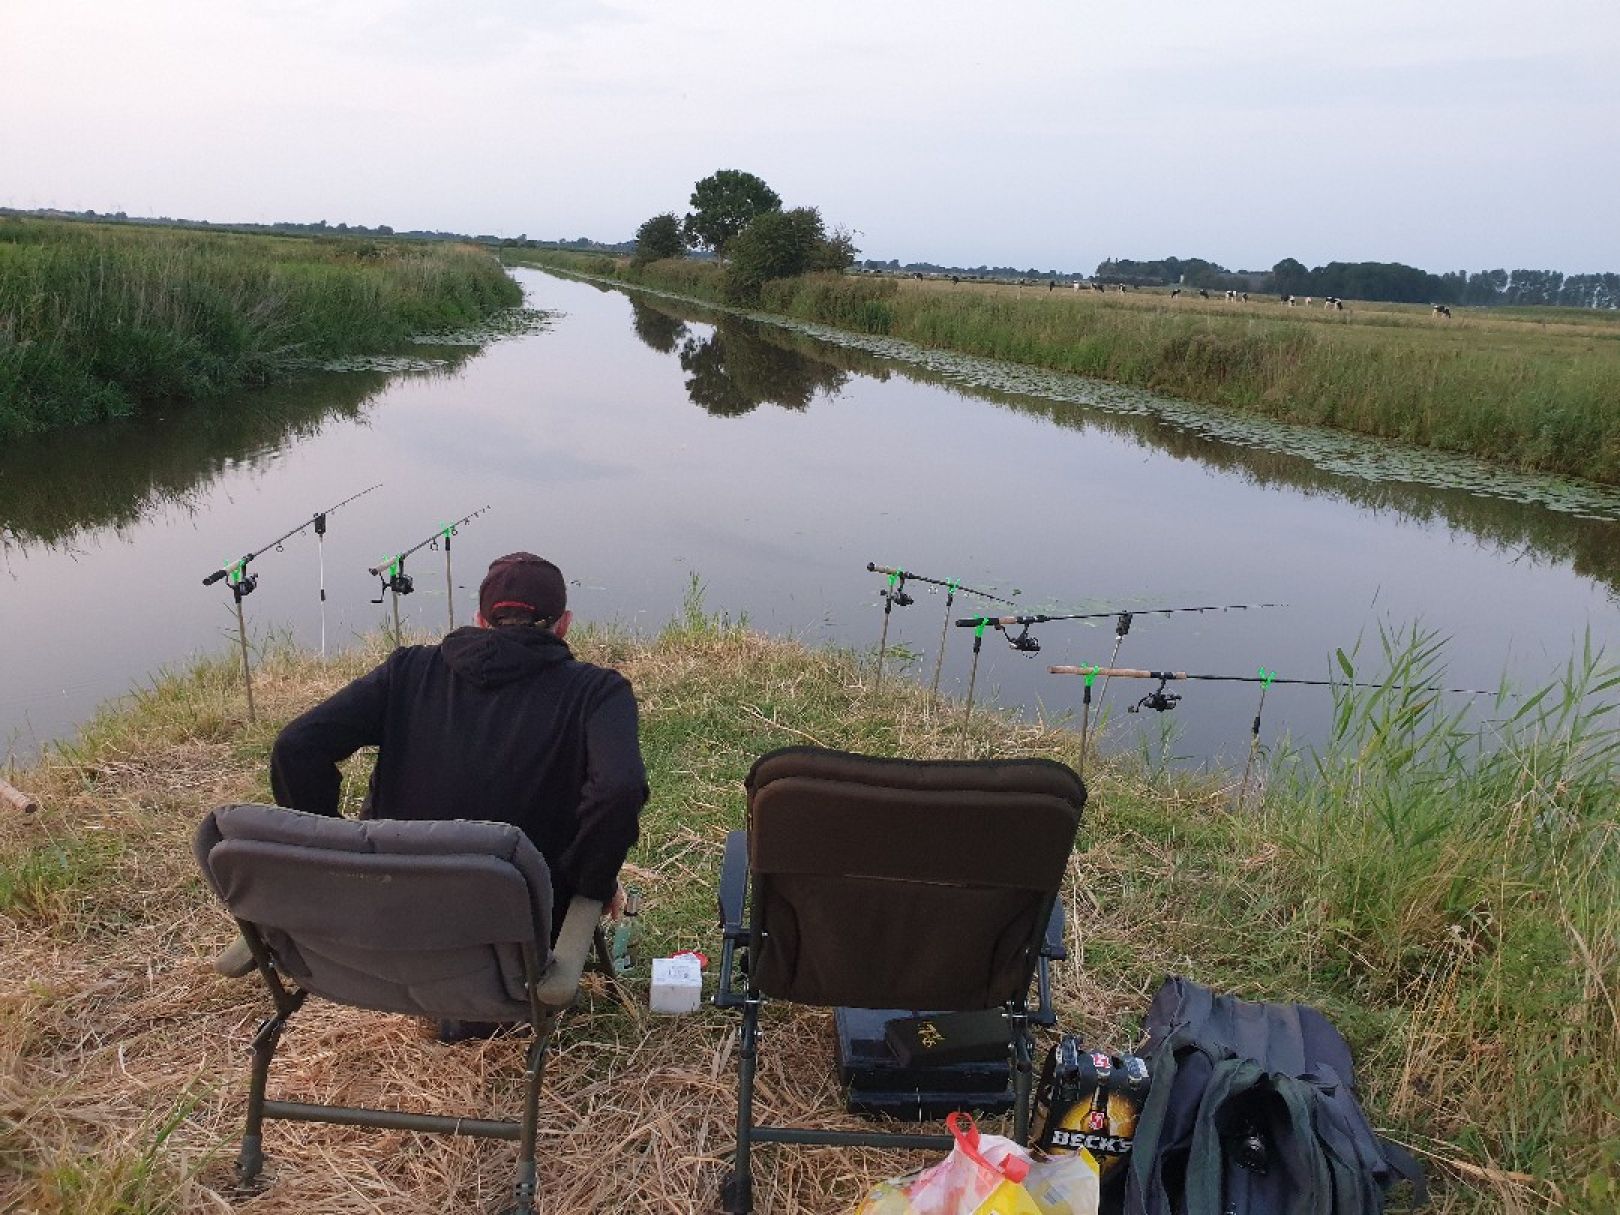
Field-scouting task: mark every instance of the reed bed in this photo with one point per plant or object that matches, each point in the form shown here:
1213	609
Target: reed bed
101	321
1454	905
1540	395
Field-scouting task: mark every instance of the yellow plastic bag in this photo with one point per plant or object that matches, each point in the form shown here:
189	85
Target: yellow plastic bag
1065	1184
983	1175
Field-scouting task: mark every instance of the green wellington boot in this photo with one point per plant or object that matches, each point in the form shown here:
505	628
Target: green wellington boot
237	960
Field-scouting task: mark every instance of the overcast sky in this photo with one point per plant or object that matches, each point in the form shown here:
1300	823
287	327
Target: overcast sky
1056	133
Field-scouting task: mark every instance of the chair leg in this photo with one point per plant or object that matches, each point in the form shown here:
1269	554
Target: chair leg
1023	1077
738	1195
251	1158
524	1191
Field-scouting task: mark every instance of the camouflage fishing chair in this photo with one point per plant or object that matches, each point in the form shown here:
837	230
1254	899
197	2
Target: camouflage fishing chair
439	919
890	883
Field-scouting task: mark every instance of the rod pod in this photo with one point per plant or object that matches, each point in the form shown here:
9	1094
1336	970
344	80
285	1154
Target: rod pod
1266	678
897	587
395	579
894	595
1122	627
939	658
320	550
1085	720
973	679
242	585
318	522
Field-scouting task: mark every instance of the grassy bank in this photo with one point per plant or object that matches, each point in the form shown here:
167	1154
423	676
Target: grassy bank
1457	914
99	321
1541	395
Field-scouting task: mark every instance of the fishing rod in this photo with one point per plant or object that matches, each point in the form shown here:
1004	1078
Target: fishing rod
243	582
391	570
1162	701
1025	644
894	595
1122	620
1267	678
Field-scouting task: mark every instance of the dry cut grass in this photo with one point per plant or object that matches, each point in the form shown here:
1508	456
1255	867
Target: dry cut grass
123	1057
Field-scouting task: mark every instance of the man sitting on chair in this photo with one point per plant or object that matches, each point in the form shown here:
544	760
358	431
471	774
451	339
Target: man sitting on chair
499	722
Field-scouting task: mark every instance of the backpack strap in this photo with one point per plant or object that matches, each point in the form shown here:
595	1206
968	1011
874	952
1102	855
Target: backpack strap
1181	1068
1406	1166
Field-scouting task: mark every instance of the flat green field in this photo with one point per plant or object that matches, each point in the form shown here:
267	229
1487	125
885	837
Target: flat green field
1537	390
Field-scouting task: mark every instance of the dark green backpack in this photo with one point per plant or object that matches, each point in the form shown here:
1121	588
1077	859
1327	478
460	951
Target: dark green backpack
1253	1111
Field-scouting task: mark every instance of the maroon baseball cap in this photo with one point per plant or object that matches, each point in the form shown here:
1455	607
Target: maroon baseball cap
522	584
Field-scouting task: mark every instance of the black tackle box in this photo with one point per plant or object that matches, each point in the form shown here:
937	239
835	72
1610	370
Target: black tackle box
877	1082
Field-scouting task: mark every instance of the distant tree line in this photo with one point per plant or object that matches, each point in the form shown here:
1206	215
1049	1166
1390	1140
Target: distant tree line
1392	282
893	266
292	227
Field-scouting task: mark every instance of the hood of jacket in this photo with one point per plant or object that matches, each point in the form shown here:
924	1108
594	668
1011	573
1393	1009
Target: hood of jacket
489	658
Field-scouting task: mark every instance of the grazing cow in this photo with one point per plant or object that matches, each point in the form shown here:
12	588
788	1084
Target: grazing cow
1245	297
1287	299
1202	294
1309	300
1333	301
1175	293
1441	310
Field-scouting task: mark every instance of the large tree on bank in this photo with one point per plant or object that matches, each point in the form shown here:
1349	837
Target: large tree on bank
659	237
722	205
782	244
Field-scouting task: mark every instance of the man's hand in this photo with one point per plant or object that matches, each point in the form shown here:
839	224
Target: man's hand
615	908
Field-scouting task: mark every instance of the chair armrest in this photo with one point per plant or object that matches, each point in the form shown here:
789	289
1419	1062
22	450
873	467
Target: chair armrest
560	983
1052	945
734	886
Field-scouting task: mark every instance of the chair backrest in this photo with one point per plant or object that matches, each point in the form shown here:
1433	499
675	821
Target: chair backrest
891	883
403	916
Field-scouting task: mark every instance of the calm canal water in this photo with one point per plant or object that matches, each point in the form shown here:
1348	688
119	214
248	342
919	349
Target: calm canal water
641	442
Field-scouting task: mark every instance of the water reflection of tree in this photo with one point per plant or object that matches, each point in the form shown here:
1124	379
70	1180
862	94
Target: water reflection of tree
1513	527
55	487
658	329
733	371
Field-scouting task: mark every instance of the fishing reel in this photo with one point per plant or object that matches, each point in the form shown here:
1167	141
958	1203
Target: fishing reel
244	586
1024	643
897	596
1158	700
399	582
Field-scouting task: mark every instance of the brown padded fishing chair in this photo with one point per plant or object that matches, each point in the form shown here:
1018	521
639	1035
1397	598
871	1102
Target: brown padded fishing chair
446	920
892	883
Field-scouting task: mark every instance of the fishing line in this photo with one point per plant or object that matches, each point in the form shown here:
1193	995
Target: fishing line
244	582
394	579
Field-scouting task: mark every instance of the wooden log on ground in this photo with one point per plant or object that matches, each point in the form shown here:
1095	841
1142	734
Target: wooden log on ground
16	797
